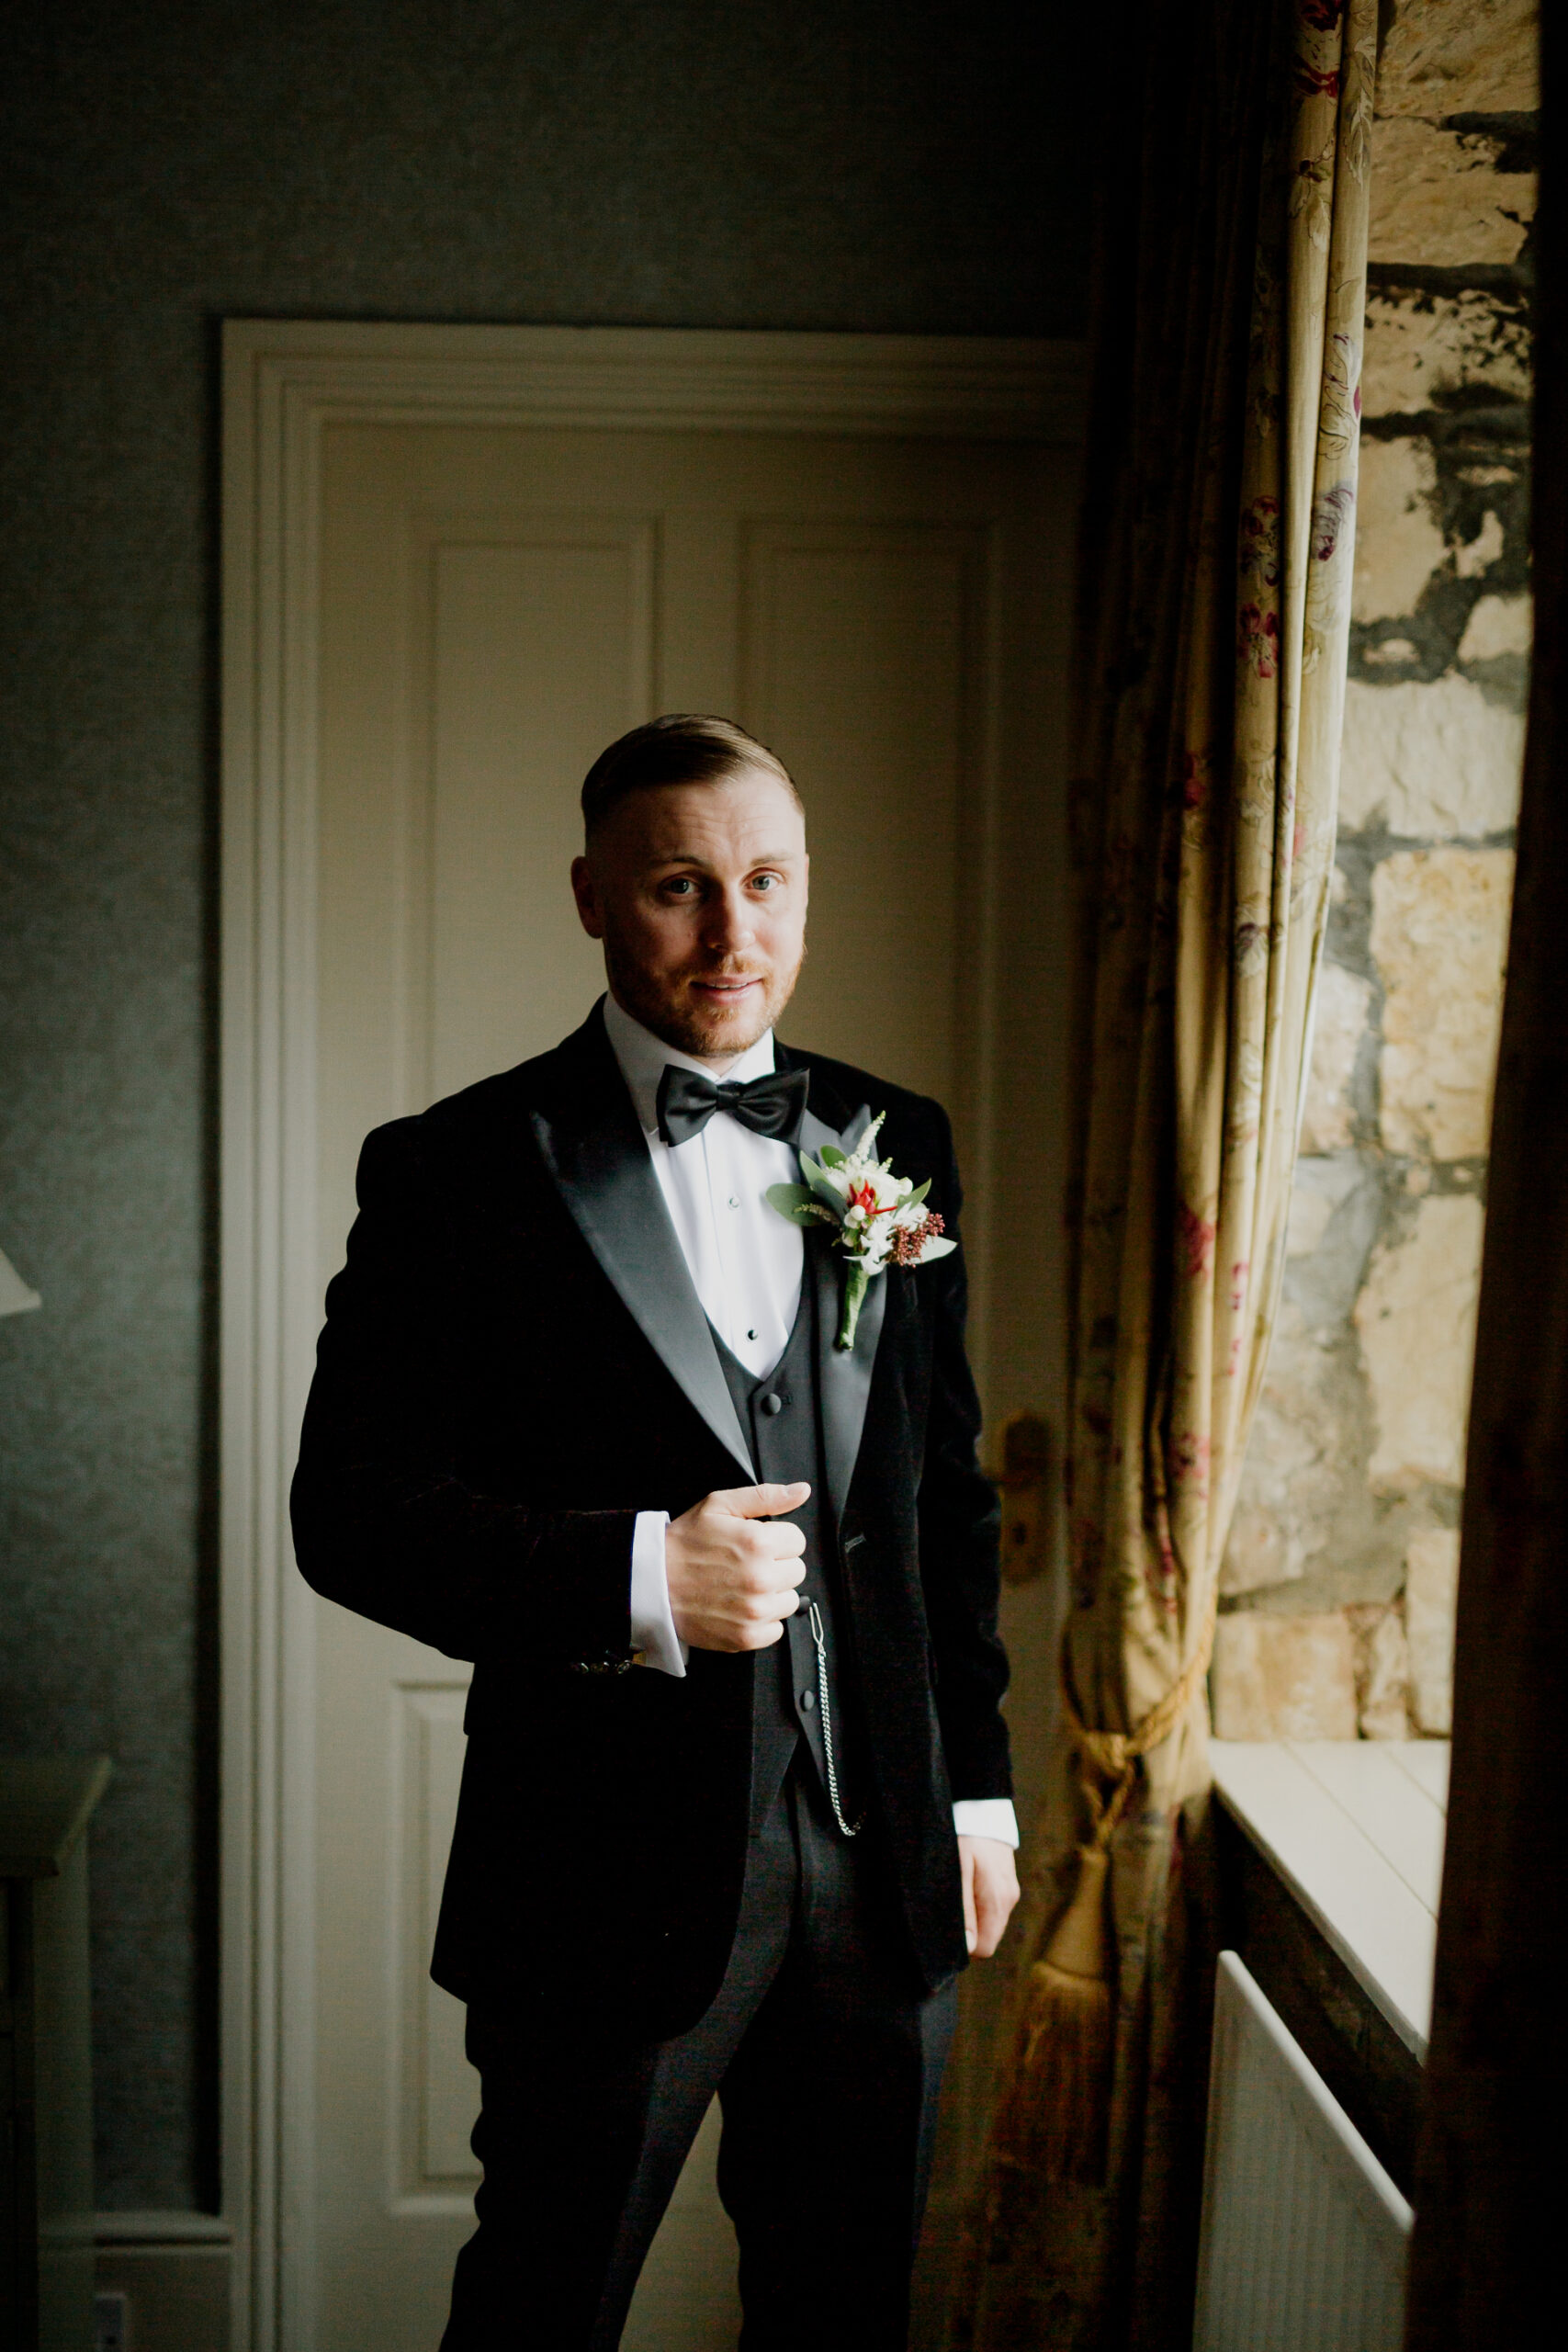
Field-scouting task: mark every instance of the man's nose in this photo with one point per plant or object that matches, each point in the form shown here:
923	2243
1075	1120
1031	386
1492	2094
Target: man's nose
729	921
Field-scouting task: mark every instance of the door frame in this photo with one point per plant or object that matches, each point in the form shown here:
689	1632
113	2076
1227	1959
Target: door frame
283	382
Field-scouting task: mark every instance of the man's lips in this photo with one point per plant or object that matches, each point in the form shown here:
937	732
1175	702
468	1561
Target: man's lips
729	984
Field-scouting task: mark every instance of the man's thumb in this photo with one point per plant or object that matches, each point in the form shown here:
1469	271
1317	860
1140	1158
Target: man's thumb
767	1502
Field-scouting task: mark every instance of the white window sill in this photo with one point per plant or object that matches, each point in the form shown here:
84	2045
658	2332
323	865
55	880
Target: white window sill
1355	1828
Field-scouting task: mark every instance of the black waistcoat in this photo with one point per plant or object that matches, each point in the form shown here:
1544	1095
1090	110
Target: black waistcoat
781	1419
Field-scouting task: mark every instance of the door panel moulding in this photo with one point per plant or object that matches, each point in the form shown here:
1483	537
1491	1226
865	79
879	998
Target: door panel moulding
284	382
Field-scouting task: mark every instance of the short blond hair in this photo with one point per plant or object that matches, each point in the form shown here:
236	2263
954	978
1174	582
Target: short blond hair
681	748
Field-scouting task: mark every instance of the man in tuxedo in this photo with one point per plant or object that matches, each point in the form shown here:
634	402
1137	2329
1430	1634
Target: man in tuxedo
736	1803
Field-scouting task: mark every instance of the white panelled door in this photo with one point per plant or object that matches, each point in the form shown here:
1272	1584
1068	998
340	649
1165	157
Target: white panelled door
497	602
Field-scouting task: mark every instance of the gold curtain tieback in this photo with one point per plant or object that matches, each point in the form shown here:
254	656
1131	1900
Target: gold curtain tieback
1055	2118
1114	1754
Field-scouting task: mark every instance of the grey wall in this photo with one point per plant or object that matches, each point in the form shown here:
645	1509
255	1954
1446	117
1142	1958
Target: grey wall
878	164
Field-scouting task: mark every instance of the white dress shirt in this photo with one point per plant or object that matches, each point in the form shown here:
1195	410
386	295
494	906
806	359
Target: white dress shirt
746	1263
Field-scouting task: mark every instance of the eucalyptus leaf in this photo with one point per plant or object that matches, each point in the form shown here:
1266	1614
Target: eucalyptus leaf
788	1198
919	1195
798	1205
833	1158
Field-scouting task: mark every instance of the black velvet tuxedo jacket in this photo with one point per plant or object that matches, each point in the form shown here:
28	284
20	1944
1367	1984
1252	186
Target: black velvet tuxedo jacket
515	1363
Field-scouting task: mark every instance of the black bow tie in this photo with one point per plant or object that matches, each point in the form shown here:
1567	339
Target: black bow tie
769	1106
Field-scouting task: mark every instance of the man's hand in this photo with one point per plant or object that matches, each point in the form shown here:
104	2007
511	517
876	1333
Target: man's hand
990	1890
732	1575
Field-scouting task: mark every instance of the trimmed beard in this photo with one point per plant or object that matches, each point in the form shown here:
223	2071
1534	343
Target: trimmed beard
687	1036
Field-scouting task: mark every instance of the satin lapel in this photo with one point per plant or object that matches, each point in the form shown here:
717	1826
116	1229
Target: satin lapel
843	1377
598	1157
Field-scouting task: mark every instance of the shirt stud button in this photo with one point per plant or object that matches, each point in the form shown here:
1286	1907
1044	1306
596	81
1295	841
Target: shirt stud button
771	1405
751	1335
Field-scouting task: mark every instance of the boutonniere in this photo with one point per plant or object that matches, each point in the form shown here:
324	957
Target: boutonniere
877	1218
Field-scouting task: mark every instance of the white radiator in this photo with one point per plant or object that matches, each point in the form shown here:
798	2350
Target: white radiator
1304	2235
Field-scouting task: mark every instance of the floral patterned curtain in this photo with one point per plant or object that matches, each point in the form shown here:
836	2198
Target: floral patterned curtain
1215	580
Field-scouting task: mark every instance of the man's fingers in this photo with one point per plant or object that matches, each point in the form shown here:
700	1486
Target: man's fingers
776	1575
990	1891
990	1915
761	1502
766	1561
776	1544
733	1563
759	1608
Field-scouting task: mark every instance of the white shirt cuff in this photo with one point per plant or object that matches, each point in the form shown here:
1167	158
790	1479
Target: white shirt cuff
653	1627
987	1818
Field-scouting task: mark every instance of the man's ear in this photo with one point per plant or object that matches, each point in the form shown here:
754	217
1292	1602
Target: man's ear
585	891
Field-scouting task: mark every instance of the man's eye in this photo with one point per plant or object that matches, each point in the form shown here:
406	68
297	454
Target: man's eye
680	886
765	881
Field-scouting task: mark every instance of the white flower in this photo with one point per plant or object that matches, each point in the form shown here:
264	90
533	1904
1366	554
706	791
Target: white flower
877	1215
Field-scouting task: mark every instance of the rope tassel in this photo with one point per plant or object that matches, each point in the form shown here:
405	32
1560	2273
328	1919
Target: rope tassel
1054	2121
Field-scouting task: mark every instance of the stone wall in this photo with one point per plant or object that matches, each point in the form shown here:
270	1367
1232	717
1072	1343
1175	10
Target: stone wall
1339	1585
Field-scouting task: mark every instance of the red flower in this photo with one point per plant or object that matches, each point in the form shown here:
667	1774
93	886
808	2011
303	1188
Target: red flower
1194	783
1258	639
1189	1460
863	1197
1328	514
908	1240
1197	1241
1259	549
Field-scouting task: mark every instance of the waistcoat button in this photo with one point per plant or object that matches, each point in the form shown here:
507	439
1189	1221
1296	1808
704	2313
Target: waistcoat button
771	1404
808	1699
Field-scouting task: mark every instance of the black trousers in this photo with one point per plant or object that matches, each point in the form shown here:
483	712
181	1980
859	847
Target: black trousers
827	2056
